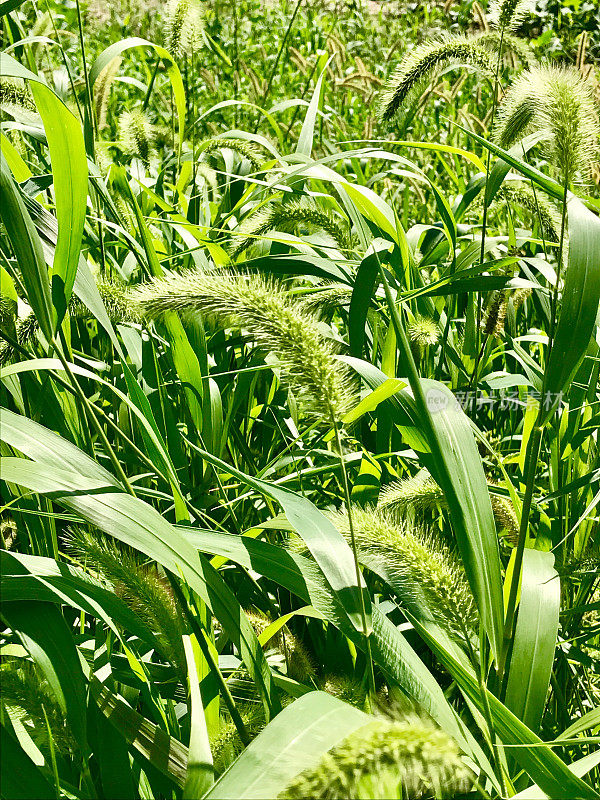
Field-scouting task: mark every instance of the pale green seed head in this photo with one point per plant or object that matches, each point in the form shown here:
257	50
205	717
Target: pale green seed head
401	759
245	149
136	134
426	576
344	688
423	331
509	14
268	316
183	28
288	217
425	61
556	102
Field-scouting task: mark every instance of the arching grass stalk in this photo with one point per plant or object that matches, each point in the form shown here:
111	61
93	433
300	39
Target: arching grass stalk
93	420
198	632
267	315
556	102
348	503
278	57
478	348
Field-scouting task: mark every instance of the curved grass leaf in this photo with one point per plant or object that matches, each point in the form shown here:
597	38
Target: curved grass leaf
138	525
173	72
578	306
535	638
294	741
70	178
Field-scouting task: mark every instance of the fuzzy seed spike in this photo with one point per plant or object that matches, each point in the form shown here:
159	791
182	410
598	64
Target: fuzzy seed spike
287	217
509	14
23	689
184	26
557	102
425	61
15	94
496	314
102	88
431	580
268	316
423	331
136	134
140	586
247	150
510	43
394	759
537	204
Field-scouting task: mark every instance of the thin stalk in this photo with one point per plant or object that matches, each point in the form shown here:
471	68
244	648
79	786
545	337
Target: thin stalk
94	421
532	456
359	578
485	200
151	85
88	94
65	61
93	134
206	652
279	54
559	257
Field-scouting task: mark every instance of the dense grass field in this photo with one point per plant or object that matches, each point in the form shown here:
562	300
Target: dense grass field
299	370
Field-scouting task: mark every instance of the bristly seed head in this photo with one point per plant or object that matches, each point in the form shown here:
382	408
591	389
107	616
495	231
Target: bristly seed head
267	315
286	217
424	61
423	331
184	26
426	576
136	134
509	14
558	103
409	758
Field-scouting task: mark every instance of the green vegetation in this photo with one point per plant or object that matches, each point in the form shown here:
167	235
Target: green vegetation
299	361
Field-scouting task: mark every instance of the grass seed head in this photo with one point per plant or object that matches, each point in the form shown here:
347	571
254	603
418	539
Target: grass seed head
509	14
423	331
268	316
16	95
429	578
392	759
558	103
140	586
248	150
425	61
184	26
136	134
288	216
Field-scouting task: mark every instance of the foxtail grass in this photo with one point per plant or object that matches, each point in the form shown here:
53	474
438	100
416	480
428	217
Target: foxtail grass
248	150
183	28
288	217
268	316
424	62
139	585
136	134
556	102
299	663
393	759
420	495
508	15
427	577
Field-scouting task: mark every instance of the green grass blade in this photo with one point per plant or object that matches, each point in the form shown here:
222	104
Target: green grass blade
294	741
28	250
138	525
535	638
579	304
172	71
